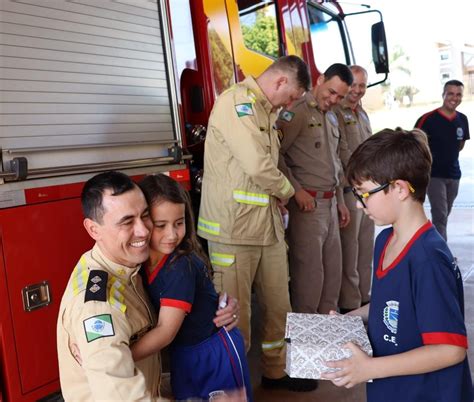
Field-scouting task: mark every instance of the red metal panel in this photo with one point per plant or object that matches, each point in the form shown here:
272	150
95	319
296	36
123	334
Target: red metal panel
40	242
49	193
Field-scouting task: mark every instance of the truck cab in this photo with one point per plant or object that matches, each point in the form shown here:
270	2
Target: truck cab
225	41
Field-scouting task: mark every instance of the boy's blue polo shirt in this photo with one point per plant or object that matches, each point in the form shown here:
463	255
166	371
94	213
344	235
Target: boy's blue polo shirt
416	301
183	282
444	134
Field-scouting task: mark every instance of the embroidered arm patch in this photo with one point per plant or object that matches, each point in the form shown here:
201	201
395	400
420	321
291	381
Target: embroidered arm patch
287	115
244	109
98	326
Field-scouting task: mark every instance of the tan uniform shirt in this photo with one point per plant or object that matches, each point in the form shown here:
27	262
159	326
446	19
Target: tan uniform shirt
310	146
101	333
354	126
241	181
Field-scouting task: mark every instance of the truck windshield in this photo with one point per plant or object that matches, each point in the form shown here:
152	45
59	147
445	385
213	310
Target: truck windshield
326	38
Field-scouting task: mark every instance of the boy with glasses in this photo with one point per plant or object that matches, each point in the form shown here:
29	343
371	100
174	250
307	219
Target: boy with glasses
416	313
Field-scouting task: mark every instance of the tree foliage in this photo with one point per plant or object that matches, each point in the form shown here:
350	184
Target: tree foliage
262	36
223	67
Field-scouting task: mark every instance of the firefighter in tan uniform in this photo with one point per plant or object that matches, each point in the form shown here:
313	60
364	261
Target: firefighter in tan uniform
309	158
104	308
357	238
243	194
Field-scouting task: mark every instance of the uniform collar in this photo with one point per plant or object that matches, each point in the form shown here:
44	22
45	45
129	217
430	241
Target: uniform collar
311	100
449	118
256	93
117	270
345	105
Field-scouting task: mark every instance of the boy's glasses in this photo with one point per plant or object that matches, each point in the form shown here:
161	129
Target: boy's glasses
363	196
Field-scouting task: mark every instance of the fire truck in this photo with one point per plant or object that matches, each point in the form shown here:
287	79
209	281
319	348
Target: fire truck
88	86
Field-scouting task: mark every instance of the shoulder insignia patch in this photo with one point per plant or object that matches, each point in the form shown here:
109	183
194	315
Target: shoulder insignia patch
79	277
98	326
364	116
116	296
251	95
332	118
96	288
232	87
244	109
348	118
287	115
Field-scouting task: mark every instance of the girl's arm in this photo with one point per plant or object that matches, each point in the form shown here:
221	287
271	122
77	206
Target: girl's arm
361	368
169	323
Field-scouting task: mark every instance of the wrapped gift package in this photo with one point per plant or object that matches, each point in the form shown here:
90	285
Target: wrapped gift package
313	339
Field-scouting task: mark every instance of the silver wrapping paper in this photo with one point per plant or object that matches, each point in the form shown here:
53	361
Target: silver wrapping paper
313	339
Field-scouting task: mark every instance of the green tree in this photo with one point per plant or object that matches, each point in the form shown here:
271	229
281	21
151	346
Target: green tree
262	36
222	63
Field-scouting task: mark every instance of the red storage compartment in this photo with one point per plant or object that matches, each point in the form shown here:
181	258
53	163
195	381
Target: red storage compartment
40	245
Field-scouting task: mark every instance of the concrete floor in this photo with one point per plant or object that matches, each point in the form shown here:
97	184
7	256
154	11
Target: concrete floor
461	243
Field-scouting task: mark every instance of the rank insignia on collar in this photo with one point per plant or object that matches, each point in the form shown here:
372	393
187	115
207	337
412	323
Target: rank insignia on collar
244	109
348	119
287	115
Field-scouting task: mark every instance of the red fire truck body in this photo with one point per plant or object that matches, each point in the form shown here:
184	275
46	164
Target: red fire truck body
90	86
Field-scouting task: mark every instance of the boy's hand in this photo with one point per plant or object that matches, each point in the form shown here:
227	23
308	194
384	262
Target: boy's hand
229	315
353	370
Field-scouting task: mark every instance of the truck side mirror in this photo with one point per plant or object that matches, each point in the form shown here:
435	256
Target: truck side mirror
379	48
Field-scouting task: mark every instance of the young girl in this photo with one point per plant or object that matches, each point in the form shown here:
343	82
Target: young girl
205	360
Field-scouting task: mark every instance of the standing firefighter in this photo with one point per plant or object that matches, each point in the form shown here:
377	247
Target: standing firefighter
357	238
243	198
310	159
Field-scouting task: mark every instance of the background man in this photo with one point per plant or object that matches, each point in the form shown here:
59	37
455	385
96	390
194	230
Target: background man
104	307
447	131
242	194
357	238
309	157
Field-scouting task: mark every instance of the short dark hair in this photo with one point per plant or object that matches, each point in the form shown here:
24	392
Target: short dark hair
456	83
393	155
339	70
297	67
93	192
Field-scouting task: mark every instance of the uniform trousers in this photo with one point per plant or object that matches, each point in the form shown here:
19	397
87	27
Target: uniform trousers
442	193
357	242
315	257
265	268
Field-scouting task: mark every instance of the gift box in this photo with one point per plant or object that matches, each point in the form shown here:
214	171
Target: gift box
313	339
